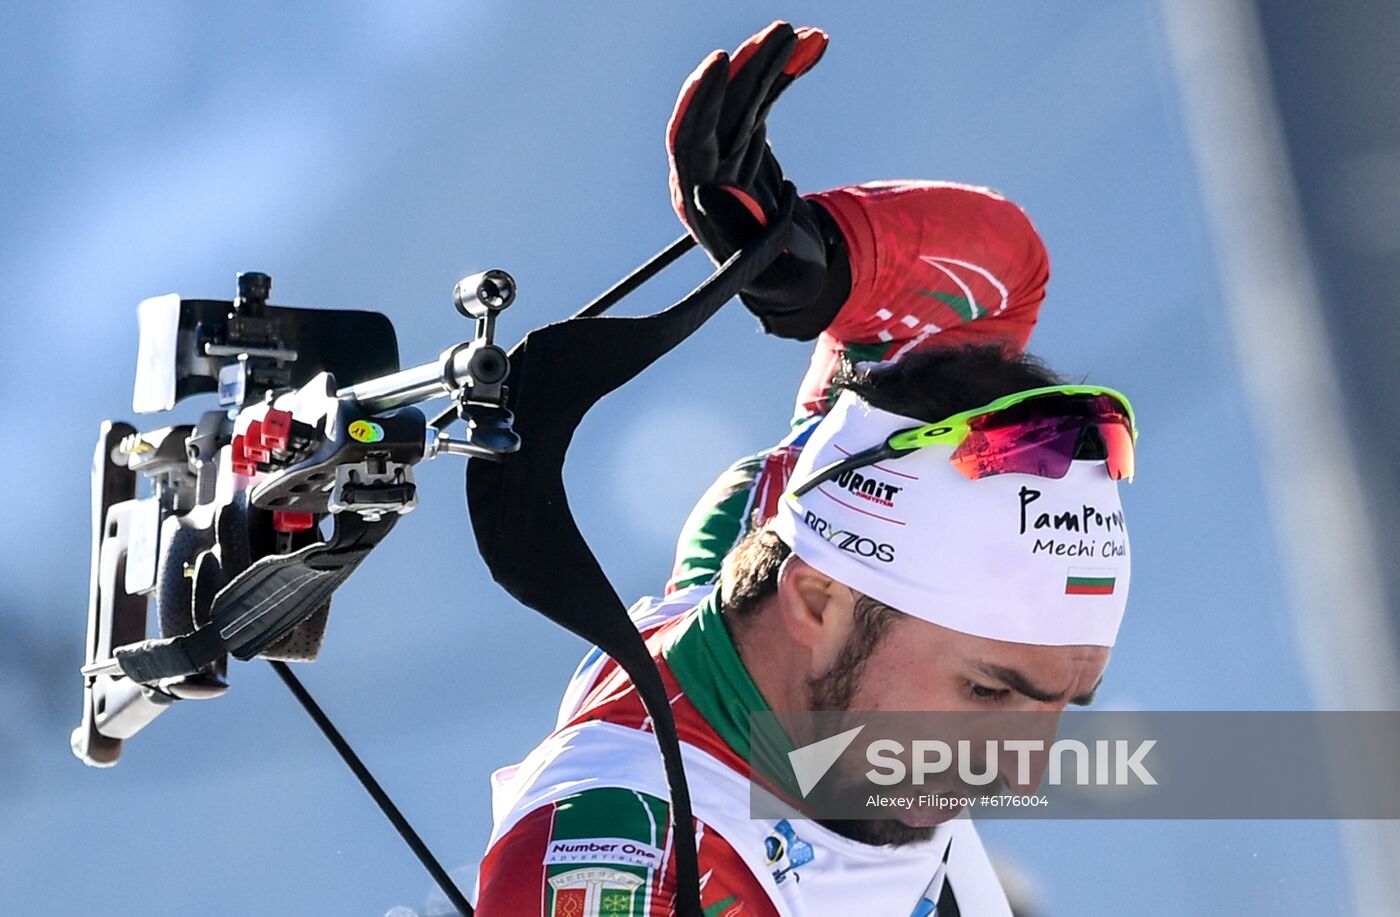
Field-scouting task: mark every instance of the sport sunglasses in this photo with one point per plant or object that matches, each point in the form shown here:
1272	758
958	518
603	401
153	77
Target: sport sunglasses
1039	431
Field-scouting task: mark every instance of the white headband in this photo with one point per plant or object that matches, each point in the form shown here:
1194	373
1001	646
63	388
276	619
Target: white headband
1011	557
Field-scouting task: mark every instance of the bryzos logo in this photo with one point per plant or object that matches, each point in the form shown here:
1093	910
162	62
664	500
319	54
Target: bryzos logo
850	542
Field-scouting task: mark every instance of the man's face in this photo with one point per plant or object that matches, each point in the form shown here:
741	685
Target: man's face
920	666
916	666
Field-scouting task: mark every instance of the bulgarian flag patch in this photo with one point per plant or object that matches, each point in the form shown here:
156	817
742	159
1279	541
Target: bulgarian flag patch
1082	581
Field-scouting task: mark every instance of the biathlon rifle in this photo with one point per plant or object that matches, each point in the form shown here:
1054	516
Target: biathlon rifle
251	517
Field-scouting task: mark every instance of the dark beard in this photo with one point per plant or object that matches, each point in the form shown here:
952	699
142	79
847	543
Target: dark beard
833	691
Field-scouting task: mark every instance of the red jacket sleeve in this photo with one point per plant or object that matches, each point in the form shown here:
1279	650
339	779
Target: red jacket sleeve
933	264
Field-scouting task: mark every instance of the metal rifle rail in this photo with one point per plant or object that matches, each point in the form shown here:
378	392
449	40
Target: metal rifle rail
411	386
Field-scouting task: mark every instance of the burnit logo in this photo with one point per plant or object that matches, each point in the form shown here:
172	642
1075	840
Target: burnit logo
868	488
848	541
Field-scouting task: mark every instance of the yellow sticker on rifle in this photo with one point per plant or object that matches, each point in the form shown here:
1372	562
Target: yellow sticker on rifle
363	431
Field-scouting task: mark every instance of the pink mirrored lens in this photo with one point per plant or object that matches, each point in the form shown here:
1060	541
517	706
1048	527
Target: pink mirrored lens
1042	436
1042	446
1118	439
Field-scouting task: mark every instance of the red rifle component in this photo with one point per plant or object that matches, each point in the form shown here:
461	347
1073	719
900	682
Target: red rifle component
238	457
277	429
284	521
253	443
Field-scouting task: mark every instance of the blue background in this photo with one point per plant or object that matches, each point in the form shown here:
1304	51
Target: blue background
368	154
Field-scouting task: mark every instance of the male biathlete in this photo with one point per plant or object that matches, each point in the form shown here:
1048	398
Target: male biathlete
883	556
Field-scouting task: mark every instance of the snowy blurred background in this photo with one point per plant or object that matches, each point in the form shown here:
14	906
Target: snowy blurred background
368	154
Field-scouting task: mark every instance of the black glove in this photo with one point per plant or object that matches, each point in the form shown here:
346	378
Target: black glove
725	181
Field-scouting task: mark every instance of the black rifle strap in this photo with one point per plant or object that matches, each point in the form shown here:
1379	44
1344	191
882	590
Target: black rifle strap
520	511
